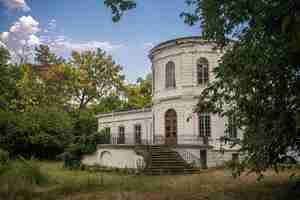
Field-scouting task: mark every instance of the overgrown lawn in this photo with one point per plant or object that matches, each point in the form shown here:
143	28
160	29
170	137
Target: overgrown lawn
215	184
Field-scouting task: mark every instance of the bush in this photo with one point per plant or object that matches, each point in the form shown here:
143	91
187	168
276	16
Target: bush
27	171
18	179
4	157
40	132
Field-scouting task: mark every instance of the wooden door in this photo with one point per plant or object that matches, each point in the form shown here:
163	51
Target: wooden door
171	127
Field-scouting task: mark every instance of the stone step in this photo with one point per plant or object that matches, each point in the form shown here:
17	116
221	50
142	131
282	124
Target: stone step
172	172
170	162
168	166
166	161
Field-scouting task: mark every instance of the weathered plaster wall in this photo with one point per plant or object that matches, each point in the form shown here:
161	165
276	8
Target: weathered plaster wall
111	157
128	120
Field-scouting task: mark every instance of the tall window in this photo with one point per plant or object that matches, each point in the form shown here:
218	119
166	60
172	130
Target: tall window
106	139
153	80
232	129
204	125
138	133
170	75
121	136
202	71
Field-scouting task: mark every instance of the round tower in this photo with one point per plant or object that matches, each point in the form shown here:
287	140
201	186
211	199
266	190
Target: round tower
181	69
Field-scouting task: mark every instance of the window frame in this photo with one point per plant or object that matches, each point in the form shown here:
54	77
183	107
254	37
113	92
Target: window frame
202	71
121	135
204	125
170	75
138	140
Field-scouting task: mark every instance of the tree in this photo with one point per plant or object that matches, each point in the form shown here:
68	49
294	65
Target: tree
258	78
42	132
109	104
118	7
139	94
43	56
97	76
9	75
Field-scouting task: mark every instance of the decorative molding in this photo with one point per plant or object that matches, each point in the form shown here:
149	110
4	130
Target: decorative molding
112	114
123	120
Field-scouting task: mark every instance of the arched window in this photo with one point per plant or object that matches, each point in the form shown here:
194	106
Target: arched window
170	75
202	71
171	127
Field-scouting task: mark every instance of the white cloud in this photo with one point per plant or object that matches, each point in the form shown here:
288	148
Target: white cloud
91	45
16	5
26	33
22	33
25	25
64	45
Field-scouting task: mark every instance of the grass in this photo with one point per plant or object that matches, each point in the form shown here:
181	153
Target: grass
212	184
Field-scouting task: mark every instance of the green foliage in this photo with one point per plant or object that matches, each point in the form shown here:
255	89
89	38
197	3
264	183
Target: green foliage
118	7
27	171
87	144
42	132
4	160
4	56
43	56
97	76
85	123
258	84
109	104
4	157
8	76
44	107
139	94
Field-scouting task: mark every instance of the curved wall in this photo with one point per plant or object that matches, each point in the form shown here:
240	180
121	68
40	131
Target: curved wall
184	52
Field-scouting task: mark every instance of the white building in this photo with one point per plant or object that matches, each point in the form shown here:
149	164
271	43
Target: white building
181	69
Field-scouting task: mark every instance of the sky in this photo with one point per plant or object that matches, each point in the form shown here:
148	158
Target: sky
67	25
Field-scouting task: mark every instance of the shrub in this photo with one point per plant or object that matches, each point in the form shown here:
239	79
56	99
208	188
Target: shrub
27	171
4	157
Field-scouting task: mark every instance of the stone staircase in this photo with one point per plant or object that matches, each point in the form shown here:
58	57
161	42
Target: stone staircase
166	161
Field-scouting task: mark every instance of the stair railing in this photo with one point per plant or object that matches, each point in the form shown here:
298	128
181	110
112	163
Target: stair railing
188	156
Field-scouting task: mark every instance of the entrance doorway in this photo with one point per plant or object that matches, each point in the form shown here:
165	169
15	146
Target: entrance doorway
171	127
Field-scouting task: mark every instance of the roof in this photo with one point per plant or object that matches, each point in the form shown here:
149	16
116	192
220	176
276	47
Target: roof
181	40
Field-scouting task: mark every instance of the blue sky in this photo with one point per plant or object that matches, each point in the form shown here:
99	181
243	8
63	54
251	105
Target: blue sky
84	23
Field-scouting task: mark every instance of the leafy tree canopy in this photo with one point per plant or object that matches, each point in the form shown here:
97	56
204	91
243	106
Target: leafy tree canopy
97	76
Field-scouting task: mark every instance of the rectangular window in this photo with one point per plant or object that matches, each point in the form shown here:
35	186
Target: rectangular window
232	129
138	134
121	136
204	125
106	139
